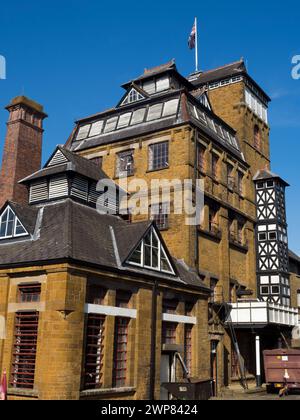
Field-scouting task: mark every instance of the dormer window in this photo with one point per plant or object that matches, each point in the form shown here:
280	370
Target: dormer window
10	225
133	96
151	254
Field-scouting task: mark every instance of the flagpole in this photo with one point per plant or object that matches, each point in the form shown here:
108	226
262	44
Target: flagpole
196	45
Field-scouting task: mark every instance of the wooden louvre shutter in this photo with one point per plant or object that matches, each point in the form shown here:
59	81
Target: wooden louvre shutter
38	191
58	187
79	188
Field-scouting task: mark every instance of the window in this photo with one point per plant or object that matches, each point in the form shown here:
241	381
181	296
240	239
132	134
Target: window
201	158
230	178
240	182
256	105
272	236
94	351
29	293
240	236
125	164
111	125
262	236
214	165
133	96
257	138
83	132
160	214
151	254
124	120
170	107
213	221
260	185
188	347
120	352
154	112
265	290
10	225
275	290
270	184
169	333
24	353
159	156
138	116
96	129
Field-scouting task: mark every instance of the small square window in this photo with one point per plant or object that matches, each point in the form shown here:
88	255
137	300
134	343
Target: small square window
270	184
275	290
262	236
265	290
272	236
260	185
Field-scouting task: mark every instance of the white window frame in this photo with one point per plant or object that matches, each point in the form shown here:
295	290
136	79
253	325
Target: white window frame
15	222
161	252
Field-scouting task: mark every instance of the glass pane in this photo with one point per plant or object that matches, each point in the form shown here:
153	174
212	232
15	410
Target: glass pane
83	132
154	258
19	229
165	266
147	261
2	230
154	112
96	129
10	227
170	107
124	120
138	116
148	239
5	216
111	125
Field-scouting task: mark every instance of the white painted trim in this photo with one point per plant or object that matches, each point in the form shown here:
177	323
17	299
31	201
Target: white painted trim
110	311
179	319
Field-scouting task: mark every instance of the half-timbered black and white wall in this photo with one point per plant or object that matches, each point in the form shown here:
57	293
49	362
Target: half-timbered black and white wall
272	239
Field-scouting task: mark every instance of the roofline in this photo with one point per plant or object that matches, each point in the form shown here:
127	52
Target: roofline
67	260
173	70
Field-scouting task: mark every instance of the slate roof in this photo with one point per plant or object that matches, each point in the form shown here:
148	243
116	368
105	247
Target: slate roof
76	163
294	256
237	68
265	174
229	70
67	230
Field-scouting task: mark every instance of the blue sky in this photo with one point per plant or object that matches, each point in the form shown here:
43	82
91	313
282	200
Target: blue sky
72	56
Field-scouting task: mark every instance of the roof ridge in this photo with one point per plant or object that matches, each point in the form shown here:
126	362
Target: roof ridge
224	66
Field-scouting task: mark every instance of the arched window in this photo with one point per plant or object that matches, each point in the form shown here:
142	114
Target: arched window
257	138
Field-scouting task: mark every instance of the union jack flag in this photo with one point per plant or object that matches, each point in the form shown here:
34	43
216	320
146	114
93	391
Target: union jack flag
192	38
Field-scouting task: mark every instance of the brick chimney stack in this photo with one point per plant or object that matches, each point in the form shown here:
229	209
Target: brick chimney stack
23	148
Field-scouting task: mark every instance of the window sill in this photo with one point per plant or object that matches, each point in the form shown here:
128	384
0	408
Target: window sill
105	392
158	169
241	247
22	392
214	235
116	177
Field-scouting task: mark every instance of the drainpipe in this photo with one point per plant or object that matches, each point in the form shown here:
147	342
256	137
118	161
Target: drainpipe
258	363
195	178
153	343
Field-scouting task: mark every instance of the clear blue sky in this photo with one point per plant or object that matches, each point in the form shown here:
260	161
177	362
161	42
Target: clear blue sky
72	56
